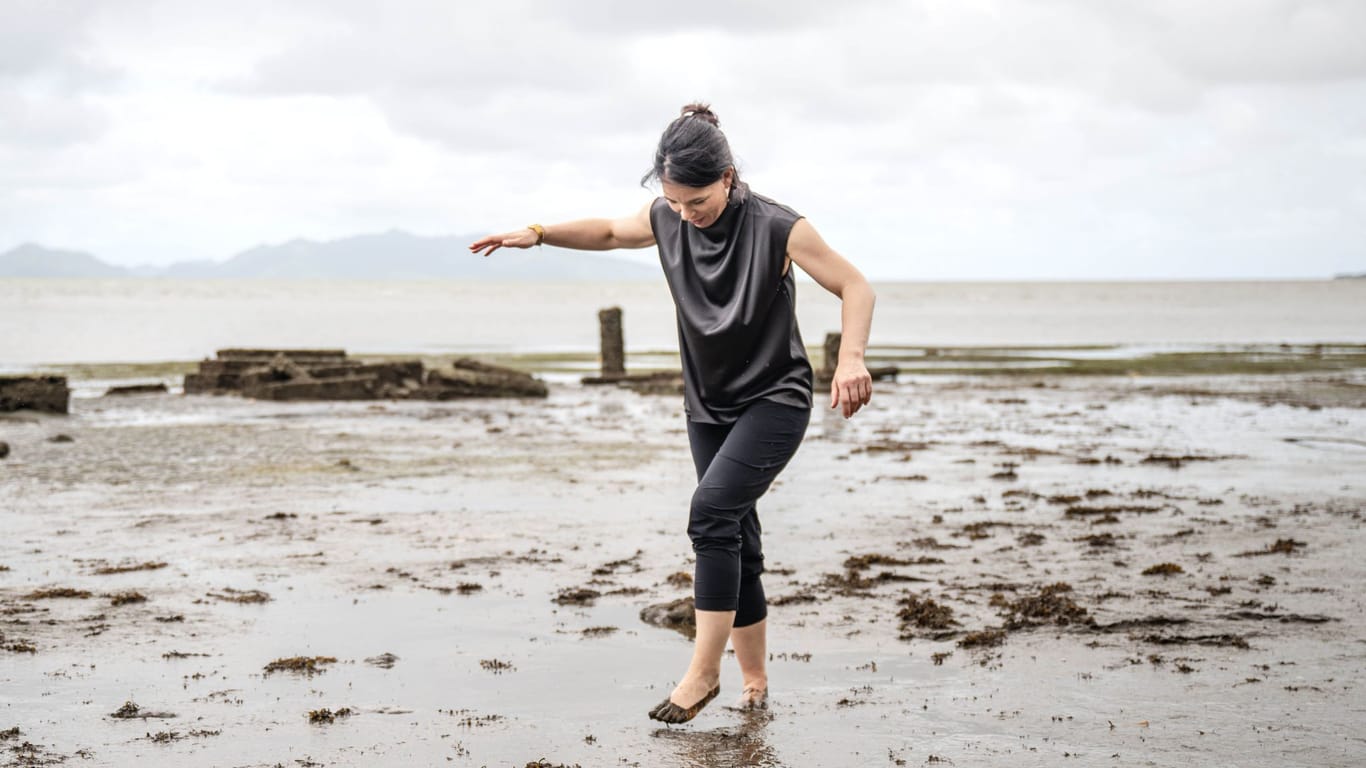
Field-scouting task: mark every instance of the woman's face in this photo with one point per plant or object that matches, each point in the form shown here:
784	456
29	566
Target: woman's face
699	206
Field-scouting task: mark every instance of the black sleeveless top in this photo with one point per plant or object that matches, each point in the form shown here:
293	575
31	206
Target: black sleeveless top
737	320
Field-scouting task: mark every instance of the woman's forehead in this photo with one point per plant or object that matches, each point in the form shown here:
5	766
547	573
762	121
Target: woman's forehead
678	191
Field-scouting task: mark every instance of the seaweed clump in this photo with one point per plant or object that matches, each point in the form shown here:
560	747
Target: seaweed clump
57	593
164	737
320	716
986	638
852	583
924	613
496	666
244	596
17	646
1279	547
1177	461
306	665
577	596
109	570
864	562
1052	605
131	711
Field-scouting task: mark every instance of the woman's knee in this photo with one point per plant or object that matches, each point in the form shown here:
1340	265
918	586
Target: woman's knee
711	515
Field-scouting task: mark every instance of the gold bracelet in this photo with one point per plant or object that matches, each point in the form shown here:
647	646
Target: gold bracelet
540	232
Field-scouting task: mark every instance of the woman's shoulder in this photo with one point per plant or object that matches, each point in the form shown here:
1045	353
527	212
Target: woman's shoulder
766	206
658	210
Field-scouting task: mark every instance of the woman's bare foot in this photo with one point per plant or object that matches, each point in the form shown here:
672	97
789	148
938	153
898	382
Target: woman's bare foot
692	694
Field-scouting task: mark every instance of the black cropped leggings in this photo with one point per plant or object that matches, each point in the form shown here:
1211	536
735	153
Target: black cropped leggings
736	463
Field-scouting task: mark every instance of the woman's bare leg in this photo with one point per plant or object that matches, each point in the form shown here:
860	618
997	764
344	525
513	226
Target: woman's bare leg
704	673
751	650
702	682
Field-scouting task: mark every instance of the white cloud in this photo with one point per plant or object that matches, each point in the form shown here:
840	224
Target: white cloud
972	138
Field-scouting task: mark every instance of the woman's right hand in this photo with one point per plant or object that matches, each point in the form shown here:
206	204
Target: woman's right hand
522	238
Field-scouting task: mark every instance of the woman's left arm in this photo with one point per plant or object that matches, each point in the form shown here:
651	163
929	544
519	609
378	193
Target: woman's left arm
852	386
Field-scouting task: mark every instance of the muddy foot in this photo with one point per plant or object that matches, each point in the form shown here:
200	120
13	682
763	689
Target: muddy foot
751	698
668	711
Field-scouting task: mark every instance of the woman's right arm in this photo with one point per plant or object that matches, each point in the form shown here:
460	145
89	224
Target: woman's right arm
584	235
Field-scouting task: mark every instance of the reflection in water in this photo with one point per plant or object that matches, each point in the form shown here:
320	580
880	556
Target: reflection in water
739	747
613	410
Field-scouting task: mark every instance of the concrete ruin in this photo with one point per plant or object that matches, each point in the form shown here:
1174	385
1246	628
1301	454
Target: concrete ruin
471	378
613	344
48	394
613	362
328	374
137	389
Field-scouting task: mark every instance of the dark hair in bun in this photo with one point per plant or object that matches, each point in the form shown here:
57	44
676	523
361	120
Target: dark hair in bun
693	151
702	111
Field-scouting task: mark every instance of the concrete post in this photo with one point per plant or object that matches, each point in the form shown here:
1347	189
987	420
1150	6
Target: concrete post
613	347
832	355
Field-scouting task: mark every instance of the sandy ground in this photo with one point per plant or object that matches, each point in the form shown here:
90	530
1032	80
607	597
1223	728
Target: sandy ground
958	578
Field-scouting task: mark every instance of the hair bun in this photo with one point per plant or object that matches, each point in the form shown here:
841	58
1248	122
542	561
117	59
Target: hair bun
702	111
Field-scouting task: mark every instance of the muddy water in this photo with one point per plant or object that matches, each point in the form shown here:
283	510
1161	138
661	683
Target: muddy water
369	525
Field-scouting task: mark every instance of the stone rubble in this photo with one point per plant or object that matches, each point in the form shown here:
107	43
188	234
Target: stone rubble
327	374
49	394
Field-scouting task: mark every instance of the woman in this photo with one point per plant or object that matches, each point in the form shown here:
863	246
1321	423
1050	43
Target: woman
727	254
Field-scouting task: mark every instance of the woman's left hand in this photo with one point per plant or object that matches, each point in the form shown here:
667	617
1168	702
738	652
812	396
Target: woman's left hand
852	387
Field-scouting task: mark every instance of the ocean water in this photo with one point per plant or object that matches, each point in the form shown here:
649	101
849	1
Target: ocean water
53	321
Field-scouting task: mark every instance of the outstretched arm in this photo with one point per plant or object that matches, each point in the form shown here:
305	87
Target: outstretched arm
584	235
852	386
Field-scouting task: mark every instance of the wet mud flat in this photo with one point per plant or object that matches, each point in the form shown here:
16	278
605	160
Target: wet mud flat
1022	570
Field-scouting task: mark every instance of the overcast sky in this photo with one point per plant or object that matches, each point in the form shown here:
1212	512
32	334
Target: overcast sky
934	139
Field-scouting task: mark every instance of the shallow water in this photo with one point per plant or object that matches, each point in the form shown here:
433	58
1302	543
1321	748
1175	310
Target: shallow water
66	321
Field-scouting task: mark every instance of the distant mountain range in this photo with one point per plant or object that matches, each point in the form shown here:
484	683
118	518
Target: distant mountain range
393	255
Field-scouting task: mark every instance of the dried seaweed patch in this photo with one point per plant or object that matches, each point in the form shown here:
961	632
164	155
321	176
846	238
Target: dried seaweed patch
305	665
58	593
986	638
109	570
1278	547
324	716
577	596
1052	605
864	562
243	596
131	711
923	613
